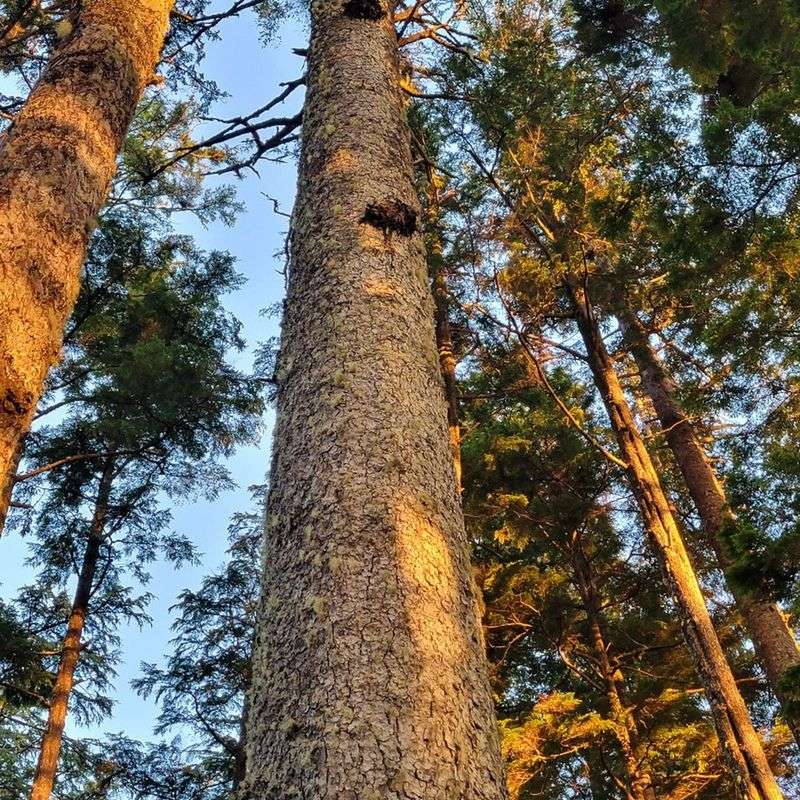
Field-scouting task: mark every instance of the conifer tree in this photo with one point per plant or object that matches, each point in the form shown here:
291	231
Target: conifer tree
57	161
368	674
150	406
559	567
766	623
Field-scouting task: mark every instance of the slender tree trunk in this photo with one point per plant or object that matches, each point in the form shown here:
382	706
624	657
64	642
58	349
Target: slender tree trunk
56	165
741	745
447	364
772	637
640	782
240	757
7	486
70	651
369	673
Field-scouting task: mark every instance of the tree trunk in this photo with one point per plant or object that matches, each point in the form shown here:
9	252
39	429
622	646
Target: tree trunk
56	165
7	486
447	364
70	651
369	672
640	782
741	745
772	637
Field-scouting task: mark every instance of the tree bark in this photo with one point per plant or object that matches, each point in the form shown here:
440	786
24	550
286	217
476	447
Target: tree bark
639	780
447	364
369	673
7	486
741	745
56	165
50	749
773	639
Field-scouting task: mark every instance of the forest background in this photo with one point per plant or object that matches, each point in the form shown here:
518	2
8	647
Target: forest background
593	178
246	70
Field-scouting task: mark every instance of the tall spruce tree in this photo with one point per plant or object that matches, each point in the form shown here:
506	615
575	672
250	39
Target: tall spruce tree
368	675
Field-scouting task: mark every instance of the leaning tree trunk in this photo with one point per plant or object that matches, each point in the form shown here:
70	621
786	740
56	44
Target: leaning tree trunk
741	745
772	637
47	765
369	673
56	165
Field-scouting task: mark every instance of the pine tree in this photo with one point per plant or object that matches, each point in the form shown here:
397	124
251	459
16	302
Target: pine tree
150	406
773	639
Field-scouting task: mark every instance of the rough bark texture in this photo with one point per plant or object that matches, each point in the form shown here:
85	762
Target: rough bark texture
7	486
56	165
47	765
772	637
740	742
447	364
369	676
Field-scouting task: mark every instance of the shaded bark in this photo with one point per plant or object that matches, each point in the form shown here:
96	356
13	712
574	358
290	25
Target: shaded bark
447	364
56	165
369	676
741	745
50	749
7	486
773	639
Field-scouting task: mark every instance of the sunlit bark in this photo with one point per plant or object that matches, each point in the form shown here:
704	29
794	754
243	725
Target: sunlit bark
369	677
774	641
56	165
741	745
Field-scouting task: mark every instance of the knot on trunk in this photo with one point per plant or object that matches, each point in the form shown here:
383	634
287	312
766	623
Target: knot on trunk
364	9
12	405
391	216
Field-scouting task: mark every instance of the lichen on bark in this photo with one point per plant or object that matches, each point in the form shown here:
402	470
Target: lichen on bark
368	640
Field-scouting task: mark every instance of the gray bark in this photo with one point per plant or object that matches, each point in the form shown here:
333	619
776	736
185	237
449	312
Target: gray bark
369	673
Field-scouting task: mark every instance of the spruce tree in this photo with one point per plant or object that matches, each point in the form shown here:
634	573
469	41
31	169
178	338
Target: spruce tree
368	675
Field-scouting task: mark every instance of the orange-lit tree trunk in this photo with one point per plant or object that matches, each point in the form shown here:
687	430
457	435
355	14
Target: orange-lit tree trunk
741	745
56	165
772	638
47	765
369	677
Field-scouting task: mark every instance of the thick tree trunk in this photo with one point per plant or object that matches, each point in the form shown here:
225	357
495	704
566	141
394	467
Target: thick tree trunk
56	165
47	766
639	780
772	638
447	364
369	672
740	742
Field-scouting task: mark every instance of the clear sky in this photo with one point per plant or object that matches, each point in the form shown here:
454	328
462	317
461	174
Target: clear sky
250	73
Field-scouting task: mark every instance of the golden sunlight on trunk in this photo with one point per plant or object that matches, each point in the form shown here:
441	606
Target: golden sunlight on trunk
56	165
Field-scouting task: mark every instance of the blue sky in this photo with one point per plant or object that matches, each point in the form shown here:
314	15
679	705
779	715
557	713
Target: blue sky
250	73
